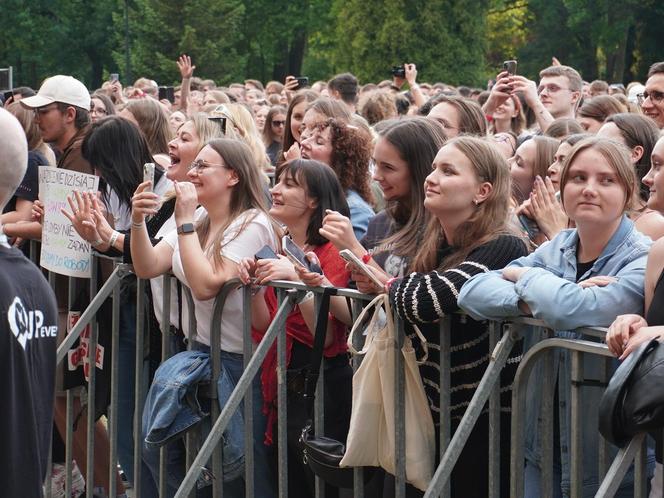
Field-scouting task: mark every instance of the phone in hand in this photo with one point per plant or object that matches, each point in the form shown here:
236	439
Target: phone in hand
510	67
530	226
148	174
349	257
113	77
297	256
302	82
265	253
167	92
398	71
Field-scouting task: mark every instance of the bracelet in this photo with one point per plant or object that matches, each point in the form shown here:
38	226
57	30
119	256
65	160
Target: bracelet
395	88
96	243
137	225
389	283
489	117
114	238
366	258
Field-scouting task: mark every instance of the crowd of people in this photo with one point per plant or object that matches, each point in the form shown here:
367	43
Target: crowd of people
539	198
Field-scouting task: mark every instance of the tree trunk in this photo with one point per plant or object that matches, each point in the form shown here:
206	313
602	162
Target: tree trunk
296	52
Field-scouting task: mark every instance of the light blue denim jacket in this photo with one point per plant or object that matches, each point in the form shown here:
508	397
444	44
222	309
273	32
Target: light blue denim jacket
360	213
550	290
171	406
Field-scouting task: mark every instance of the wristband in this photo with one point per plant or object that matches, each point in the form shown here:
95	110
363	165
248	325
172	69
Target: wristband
366	258
489	117
114	238
137	225
389	283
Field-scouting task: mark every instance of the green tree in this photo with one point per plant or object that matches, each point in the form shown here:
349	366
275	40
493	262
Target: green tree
207	30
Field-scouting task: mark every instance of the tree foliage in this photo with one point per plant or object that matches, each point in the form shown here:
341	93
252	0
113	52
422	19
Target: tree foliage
454	41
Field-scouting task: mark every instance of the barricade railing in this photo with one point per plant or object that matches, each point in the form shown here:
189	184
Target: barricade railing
502	338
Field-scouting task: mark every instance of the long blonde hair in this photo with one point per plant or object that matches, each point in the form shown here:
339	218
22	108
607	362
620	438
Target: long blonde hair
248	193
488	221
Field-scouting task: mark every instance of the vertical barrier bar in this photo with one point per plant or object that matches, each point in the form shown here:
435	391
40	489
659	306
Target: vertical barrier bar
494	422
356	361
248	398
190	437
165	354
319	401
92	378
113	410
69	467
399	412
69	441
603	450
445	401
641	471
576	453
138	380
282	414
547	408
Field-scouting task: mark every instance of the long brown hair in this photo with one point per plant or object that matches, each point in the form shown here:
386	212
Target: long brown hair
248	193
153	122
417	141
488	221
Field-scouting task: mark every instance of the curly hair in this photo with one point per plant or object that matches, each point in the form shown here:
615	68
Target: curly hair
351	153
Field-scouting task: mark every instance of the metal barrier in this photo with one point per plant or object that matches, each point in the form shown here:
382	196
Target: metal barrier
451	446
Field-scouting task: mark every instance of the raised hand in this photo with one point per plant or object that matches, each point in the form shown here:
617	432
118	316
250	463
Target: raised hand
185	66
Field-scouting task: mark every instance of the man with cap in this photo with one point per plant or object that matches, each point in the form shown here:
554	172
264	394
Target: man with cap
62	112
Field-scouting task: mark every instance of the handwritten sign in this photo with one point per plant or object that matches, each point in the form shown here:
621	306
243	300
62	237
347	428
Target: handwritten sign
63	250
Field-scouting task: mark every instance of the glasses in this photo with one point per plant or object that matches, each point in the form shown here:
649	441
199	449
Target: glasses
551	88
98	111
199	166
655	97
278	123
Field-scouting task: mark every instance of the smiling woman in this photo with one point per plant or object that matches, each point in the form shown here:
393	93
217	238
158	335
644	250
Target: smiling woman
582	277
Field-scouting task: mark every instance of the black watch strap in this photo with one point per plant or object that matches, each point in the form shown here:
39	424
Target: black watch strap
186	228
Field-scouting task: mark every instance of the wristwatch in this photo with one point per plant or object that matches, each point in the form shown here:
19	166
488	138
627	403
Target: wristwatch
186	228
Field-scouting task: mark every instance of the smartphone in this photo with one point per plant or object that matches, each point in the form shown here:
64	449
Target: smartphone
530	226
113	77
167	92
296	255
148	174
7	95
349	257
265	253
302	82
510	67
221	122
398	71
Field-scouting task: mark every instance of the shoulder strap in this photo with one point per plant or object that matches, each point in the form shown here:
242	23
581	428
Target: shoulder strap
311	378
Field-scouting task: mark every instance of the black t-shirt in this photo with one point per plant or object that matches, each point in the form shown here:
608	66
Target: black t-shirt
28	335
29	187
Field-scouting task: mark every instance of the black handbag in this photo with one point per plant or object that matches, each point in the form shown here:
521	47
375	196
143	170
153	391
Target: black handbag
634	399
320	453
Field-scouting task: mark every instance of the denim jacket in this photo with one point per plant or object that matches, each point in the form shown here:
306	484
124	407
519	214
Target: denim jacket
171	407
360	213
550	290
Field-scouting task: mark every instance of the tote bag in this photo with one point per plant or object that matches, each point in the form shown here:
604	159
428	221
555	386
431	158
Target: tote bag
371	435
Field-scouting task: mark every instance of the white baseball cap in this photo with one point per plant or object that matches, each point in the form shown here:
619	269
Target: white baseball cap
60	88
634	91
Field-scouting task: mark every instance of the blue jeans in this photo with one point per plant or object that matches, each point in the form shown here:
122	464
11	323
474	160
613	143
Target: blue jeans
263	481
533	479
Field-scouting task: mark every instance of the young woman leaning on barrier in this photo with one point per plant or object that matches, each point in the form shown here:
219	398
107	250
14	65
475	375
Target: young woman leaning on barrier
583	277
402	156
304	192
627	332
204	254
468	195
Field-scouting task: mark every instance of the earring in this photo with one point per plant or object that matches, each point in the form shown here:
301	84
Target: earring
476	202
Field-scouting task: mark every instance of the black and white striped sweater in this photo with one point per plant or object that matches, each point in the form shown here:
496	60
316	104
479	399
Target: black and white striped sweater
423	298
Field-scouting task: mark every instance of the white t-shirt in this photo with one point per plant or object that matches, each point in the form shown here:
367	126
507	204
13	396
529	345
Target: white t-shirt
122	213
237	244
157	284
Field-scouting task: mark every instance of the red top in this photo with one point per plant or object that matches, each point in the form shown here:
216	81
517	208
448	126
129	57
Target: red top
334	268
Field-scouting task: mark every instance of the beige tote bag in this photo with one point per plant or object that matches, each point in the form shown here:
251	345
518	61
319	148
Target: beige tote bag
371	435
